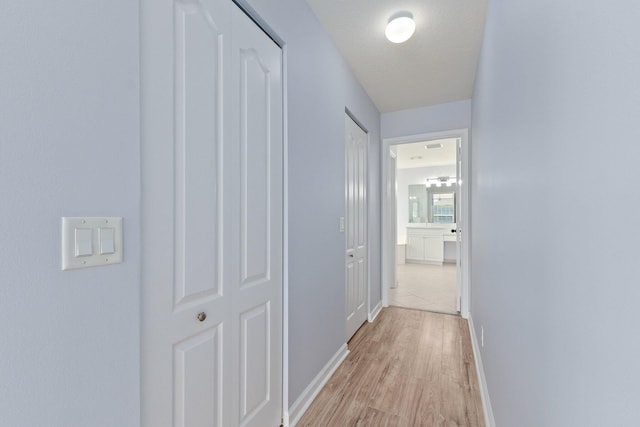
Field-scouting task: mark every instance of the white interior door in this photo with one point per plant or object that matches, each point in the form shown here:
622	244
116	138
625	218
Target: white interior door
212	217
356	230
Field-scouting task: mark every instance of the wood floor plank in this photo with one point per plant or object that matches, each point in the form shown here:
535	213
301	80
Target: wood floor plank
421	407
409	368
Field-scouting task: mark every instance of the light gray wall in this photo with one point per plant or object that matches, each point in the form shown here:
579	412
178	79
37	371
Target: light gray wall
435	118
69	146
555	122
320	86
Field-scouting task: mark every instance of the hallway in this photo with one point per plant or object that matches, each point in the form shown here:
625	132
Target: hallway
408	368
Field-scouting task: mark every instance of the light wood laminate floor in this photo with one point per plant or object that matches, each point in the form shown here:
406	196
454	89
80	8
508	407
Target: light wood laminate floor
425	287
408	368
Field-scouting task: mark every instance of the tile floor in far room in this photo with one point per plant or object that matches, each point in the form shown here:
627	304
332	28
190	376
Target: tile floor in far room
425	287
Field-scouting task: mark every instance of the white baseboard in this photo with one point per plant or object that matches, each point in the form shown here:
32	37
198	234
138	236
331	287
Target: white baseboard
374	313
302	403
484	391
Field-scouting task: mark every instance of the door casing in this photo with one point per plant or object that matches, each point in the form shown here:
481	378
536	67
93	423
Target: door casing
388	261
390	223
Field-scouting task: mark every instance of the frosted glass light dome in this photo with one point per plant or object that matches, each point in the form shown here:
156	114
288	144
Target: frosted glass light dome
400	28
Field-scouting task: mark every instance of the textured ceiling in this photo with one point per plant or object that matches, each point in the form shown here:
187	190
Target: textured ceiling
414	155
435	66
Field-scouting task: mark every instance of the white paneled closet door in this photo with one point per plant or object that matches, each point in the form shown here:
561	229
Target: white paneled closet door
212	217
356	229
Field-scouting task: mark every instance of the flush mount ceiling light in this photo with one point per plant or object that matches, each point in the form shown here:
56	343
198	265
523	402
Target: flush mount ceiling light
400	27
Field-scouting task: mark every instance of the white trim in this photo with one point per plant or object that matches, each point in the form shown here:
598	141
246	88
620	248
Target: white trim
285	239
384	219
389	222
302	403
489	421
374	313
463	134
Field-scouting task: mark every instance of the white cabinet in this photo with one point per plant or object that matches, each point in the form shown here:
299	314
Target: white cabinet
415	247
425	245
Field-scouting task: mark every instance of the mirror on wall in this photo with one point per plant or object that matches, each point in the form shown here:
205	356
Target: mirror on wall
429	204
417	203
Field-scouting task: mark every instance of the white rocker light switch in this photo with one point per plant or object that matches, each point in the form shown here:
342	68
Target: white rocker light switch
84	242
107	240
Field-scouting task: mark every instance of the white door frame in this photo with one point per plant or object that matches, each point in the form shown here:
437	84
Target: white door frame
391	221
285	242
462	223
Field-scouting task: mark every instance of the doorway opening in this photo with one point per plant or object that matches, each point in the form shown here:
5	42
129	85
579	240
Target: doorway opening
424	211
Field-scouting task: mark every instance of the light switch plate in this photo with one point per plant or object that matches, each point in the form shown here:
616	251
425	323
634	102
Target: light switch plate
91	241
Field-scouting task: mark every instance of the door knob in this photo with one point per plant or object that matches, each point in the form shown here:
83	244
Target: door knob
351	255
202	316
453	230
